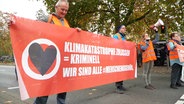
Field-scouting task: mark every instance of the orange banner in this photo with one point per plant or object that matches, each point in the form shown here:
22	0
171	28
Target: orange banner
52	59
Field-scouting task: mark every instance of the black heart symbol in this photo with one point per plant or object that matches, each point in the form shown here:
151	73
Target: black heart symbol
42	59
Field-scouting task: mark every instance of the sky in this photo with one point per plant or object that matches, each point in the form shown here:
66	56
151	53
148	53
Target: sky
22	8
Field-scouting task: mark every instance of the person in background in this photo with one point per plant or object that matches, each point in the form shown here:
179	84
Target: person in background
121	36
148	57
176	65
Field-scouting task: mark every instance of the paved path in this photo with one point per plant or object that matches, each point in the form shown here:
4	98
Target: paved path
136	94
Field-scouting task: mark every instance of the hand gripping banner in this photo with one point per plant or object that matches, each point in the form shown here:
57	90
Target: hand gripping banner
51	59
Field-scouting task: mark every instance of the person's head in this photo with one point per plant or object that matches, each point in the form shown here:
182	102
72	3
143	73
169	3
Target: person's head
145	36
175	36
61	8
121	29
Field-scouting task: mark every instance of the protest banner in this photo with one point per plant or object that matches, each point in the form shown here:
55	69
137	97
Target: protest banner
52	59
180	50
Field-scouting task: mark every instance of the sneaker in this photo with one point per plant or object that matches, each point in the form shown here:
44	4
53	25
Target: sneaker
179	85
120	89
123	88
173	87
148	87
152	86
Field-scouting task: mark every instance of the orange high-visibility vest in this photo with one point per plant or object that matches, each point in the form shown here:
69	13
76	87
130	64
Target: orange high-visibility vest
149	53
57	21
139	47
173	54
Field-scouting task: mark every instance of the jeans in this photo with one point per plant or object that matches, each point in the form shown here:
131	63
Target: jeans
43	100
147	66
176	74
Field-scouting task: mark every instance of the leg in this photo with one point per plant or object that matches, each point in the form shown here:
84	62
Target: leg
175	74
151	63
145	72
123	86
120	89
120	83
178	83
61	98
41	100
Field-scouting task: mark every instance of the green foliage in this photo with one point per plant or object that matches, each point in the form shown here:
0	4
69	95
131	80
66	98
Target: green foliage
5	44
103	16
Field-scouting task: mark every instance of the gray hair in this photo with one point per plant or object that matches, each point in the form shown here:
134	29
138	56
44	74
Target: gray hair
60	1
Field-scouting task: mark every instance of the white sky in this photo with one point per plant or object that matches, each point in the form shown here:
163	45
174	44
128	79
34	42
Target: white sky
22	8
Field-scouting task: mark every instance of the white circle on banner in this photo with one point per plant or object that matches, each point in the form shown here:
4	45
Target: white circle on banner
28	70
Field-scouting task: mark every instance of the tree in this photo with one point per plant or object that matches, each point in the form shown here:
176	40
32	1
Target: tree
103	16
5	43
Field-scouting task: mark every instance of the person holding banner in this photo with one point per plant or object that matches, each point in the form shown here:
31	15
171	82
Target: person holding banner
175	63
148	57
56	18
121	36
